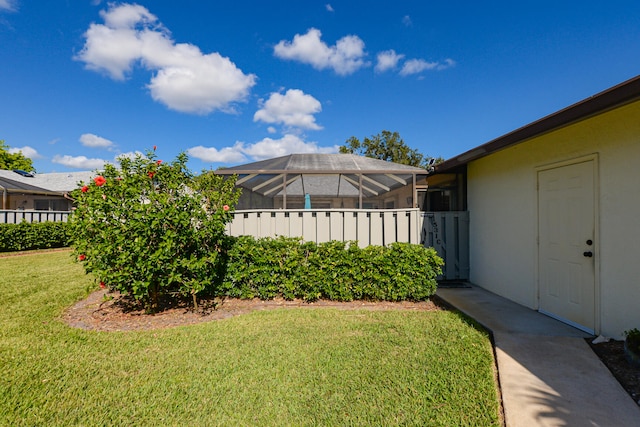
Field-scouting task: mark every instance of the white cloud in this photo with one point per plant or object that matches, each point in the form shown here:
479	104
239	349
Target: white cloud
264	149
345	57
26	151
387	60
78	162
447	63
416	66
328	7
271	129
8	5
110	50
293	109
185	79
288	144
127	16
213	155
406	21
95	141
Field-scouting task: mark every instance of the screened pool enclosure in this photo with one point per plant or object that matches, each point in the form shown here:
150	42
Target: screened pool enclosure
326	181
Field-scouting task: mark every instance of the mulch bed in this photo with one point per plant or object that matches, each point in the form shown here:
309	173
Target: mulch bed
108	311
612	355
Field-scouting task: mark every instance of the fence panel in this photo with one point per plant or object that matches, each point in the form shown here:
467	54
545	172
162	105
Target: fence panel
376	229
390	227
350	226
309	226
338	223
323	223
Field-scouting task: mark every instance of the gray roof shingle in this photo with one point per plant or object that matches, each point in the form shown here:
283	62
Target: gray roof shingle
60	182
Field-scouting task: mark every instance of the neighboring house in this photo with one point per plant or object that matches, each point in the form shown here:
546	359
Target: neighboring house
554	212
42	192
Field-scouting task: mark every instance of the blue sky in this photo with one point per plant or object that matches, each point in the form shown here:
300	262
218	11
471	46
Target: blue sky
232	82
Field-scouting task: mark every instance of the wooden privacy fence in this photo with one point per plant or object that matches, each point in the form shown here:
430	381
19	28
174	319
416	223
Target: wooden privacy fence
448	234
368	227
17	216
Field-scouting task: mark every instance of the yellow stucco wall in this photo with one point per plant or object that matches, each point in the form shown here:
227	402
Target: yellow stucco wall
502	200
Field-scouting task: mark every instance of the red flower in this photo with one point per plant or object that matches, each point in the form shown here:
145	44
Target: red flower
84	189
151	174
225	208
82	257
102	285
99	180
159	162
154	148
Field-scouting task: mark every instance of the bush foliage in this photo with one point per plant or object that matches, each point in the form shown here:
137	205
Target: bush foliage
149	229
342	271
34	235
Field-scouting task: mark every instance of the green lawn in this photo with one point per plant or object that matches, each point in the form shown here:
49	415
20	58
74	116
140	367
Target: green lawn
280	367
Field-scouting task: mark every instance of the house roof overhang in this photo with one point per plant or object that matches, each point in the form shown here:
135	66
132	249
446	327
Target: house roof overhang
614	97
16	187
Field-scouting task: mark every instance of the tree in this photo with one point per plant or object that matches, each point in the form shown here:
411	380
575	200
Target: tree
10	161
386	146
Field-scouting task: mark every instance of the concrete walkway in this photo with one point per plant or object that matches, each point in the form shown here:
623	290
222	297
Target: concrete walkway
549	376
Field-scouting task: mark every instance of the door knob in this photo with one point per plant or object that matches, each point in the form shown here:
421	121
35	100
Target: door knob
588	254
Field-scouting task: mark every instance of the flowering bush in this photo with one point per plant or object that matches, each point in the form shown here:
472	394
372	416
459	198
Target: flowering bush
152	228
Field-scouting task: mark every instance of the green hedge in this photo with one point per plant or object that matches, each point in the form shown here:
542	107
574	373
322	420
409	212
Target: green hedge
34	235
287	267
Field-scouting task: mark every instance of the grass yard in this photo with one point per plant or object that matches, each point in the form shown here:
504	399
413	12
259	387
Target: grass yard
279	367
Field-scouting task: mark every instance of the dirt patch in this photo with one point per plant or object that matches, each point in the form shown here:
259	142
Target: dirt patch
612	355
109	311
32	252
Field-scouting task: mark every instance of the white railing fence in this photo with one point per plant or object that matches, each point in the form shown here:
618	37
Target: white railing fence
17	216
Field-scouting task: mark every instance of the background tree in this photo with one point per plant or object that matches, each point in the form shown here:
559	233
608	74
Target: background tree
10	161
388	146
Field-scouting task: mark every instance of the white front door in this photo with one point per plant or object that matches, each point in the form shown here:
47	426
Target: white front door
566	249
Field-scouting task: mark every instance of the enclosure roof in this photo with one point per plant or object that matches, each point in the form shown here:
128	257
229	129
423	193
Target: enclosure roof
337	175
321	164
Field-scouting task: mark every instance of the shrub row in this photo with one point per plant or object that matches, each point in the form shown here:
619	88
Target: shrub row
287	267
34	235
